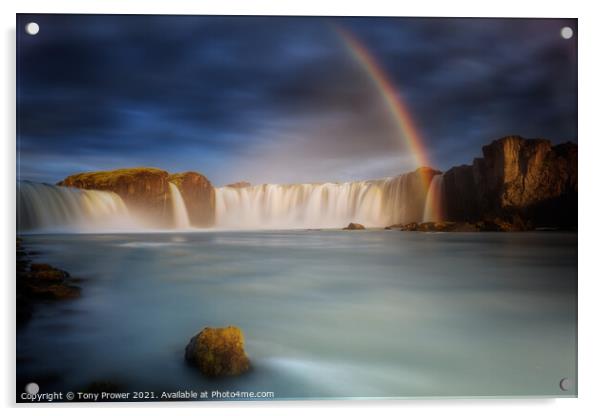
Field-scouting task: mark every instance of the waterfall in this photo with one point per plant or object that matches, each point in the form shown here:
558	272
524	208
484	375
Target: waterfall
375	203
433	204
42	206
180	214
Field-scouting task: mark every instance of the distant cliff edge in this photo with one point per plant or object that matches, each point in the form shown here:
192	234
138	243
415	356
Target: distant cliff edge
520	183
528	182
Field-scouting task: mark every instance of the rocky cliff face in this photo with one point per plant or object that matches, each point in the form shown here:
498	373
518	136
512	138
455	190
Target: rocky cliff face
521	180
146	192
199	196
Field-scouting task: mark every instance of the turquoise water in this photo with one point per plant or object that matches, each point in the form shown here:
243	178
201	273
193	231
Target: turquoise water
326	314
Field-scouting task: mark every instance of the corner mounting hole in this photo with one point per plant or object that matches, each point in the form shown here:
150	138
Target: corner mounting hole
566	32
32	28
566	384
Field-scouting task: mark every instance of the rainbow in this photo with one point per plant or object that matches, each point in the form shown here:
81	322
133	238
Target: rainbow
397	107
394	102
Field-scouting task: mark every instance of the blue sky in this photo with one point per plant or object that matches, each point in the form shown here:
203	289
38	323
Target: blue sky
280	99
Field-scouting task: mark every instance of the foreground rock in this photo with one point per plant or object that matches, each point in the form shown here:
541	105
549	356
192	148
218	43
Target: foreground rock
47	273
39	282
24	306
525	183
354	226
199	196
218	352
47	282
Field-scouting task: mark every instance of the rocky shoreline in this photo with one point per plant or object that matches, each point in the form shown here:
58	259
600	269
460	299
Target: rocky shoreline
488	225
38	283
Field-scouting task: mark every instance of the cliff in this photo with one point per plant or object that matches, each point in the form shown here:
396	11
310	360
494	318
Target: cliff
146	192
528	182
517	184
199	196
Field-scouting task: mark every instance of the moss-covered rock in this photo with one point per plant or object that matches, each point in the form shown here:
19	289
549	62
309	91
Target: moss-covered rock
218	352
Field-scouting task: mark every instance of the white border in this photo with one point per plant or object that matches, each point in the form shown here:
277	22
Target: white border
590	275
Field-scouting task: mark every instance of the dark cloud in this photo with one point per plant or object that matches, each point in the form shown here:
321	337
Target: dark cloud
281	98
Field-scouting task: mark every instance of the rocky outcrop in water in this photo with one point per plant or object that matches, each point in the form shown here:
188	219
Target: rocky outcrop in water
218	352
354	226
452	226
39	282
525	183
47	282
199	196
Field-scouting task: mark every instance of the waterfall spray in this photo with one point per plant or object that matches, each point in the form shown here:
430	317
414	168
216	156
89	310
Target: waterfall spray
433	204
375	203
45	207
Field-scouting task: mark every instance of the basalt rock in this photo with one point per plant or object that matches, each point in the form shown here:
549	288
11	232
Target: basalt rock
199	196
53	291
47	282
443	226
47	273
144	190
146	193
452	226
354	226
39	281
521	182
218	352
412	226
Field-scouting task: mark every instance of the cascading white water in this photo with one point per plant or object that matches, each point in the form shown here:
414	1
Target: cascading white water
374	203
433	204
46	207
180	214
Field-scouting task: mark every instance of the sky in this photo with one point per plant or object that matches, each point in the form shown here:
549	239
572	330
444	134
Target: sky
282	99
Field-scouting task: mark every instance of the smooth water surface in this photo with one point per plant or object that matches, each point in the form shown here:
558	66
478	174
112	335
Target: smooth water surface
325	313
